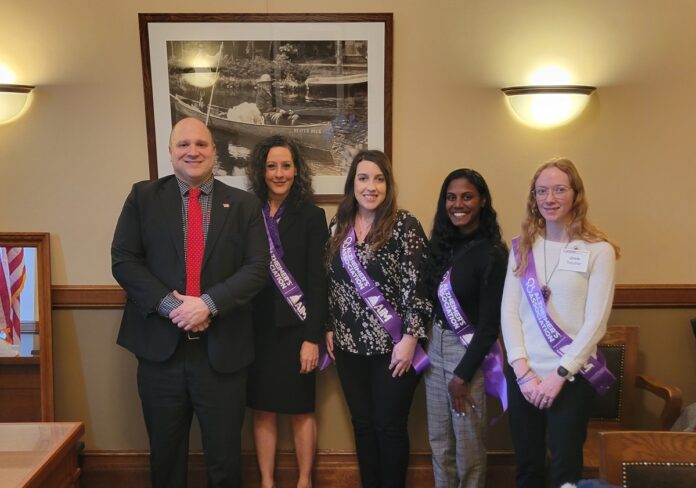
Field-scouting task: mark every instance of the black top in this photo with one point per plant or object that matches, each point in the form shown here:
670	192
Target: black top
395	268
478	276
303	234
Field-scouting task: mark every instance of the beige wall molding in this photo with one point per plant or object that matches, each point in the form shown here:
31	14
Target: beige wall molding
626	296
337	469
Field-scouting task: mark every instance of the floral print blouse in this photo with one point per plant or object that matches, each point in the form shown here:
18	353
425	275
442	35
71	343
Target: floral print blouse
396	270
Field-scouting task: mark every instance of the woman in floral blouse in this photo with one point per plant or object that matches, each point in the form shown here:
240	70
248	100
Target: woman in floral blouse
378	310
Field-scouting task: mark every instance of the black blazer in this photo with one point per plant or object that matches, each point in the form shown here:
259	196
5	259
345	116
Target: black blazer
303	233
147	260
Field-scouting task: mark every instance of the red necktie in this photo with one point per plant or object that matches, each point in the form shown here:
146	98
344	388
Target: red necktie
194	244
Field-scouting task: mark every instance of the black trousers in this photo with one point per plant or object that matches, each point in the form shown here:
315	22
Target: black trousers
564	425
379	407
170	392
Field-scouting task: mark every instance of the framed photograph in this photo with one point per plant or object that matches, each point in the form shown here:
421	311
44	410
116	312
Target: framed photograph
322	79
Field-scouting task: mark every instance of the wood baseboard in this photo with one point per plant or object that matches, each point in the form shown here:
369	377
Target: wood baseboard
626	296
335	469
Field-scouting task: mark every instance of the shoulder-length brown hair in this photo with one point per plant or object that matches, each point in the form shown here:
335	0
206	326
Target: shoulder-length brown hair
579	228
381	229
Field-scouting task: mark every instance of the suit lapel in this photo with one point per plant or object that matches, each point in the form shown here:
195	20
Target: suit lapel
170	200
220	209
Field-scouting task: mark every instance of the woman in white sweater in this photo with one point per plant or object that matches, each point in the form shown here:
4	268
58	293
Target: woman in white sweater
557	299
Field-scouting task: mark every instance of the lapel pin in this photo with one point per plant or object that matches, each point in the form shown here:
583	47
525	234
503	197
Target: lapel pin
226	205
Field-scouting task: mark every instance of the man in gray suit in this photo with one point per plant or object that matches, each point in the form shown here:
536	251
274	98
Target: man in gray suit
191	253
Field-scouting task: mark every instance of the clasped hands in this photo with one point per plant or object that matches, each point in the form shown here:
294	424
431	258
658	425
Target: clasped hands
542	392
192	315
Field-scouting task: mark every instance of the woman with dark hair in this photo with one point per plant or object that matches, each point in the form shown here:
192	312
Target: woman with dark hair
465	274
558	295
290	312
378	310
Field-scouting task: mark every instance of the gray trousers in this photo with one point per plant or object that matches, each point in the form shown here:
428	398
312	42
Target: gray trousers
457	442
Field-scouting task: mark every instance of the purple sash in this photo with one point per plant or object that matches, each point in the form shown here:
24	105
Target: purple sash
283	279
595	371
370	293
324	358
492	365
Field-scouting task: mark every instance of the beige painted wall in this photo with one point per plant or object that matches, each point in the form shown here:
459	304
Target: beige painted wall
68	163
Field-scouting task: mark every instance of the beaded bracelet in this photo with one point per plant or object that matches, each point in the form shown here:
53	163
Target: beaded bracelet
529	370
522	381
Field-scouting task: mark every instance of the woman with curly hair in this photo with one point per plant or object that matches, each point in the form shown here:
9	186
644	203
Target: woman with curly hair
378	311
290	312
557	299
465	274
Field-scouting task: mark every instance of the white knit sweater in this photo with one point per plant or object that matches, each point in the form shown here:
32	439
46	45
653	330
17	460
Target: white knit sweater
580	304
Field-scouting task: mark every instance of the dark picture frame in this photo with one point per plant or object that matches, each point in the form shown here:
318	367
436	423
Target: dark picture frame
330	76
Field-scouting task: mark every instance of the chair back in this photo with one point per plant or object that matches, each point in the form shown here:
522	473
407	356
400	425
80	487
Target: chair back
614	410
645	459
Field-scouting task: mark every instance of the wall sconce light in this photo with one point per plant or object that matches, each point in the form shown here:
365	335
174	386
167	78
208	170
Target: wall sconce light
545	106
13	99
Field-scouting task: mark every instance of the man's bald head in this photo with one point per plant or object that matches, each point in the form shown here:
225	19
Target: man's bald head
192	151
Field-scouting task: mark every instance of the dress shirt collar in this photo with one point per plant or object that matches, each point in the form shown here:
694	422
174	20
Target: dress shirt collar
206	187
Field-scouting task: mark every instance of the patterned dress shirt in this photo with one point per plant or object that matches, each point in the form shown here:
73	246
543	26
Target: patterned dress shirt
169	302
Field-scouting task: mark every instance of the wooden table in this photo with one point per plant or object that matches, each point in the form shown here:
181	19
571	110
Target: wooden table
39	454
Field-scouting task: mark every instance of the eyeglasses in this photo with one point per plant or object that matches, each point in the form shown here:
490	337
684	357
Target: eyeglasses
558	191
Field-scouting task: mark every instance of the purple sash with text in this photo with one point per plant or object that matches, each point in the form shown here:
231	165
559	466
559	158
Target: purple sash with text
374	299
595	371
492	365
283	279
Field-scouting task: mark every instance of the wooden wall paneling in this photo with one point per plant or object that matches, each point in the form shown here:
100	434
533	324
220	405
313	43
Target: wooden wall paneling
626	296
20	390
88	296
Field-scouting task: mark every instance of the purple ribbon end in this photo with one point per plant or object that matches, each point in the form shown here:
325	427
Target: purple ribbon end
324	359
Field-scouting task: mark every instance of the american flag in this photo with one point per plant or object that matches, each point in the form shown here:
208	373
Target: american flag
13	274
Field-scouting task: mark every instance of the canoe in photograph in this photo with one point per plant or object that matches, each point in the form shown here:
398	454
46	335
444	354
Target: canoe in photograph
334	80
313	136
337	86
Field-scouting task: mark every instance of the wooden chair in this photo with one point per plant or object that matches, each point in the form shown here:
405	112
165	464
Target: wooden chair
615	410
648	459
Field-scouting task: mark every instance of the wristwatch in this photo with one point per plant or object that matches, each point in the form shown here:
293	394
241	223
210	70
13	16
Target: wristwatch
564	373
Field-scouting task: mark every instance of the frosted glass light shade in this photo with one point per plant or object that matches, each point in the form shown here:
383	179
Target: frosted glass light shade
13	98
546	106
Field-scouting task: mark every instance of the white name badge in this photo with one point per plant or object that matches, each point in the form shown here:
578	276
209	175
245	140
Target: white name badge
574	260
